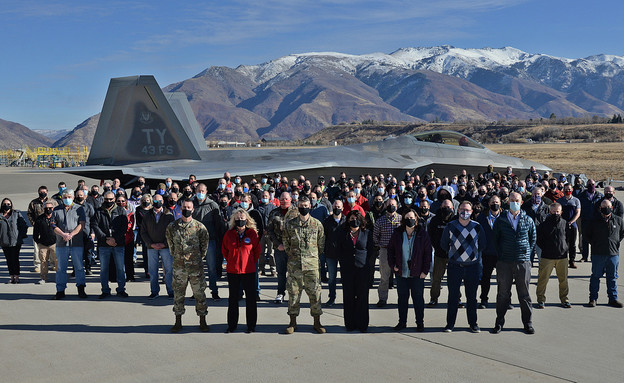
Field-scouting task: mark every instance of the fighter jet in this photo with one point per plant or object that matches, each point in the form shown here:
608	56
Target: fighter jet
142	132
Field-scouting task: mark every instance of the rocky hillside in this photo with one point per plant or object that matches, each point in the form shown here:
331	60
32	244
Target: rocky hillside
15	135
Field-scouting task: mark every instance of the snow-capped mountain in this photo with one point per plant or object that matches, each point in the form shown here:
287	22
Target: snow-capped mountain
298	94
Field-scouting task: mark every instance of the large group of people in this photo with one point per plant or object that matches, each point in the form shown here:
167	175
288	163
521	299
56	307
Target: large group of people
304	232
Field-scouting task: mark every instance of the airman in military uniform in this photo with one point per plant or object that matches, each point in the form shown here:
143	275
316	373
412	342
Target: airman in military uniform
188	243
304	240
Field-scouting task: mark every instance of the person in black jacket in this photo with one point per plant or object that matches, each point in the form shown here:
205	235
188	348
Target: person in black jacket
440	260
537	208
13	229
551	238
110	226
486	219
333	227
45	238
604	235
356	256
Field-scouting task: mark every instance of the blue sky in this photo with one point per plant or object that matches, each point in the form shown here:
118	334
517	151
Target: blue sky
58	56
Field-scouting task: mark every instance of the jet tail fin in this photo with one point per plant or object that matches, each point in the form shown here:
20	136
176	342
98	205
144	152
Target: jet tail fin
138	124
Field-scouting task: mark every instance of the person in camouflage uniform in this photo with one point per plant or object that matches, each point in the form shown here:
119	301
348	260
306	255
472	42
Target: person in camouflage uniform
275	227
304	239
188	243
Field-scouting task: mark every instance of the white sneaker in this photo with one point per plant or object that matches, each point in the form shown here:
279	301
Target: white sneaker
41	282
279	298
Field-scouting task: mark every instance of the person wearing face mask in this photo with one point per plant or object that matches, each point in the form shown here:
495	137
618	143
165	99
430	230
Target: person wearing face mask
553	193
95	198
144	187
616	205
537	209
203	206
360	197
571	212
265	208
435	229
171	203
128	244
409	257
246	204
552	239
135	198
141	211
489	258
13	228
68	222
382	231
58	197
241	250
605	233
161	190
351	204
44	237
355	252
35	209
110	225
463	239
424	214
444	194
588	197
421	196
188	243
303	241
275	228
329	257
503	193
514	238
88	236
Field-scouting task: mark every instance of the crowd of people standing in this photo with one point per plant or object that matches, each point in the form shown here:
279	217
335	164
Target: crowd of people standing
303	233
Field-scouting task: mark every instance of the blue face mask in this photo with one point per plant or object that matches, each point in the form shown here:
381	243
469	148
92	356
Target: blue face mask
245	205
381	190
264	180
276	180
221	186
161	192
357	190
408	201
265	200
351	199
401	188
67	201
61	190
392	196
200	196
520	189
245	190
464	215
514	206
168	184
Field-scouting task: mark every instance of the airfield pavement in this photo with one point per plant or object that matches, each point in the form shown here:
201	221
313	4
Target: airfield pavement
128	340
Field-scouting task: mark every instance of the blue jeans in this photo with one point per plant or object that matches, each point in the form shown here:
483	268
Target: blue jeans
211	261
415	287
281	262
471	275
153	263
604	264
118	253
332	267
62	255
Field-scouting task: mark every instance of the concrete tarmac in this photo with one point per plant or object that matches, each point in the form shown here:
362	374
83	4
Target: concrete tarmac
128	340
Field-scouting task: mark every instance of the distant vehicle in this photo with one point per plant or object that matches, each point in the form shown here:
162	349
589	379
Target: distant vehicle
143	132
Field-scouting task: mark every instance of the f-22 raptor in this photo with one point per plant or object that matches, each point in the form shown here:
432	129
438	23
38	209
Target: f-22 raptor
145	132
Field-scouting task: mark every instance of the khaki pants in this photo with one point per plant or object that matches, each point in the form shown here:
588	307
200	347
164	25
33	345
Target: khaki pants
545	269
439	268
45	254
36	261
384	271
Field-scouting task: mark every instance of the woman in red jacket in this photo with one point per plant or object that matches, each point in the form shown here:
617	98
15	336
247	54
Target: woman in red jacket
241	249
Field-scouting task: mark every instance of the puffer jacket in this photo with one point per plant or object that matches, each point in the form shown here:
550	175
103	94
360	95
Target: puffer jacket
13	229
514	245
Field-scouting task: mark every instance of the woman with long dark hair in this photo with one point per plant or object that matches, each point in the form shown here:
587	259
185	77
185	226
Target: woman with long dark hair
13	229
409	256
356	257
